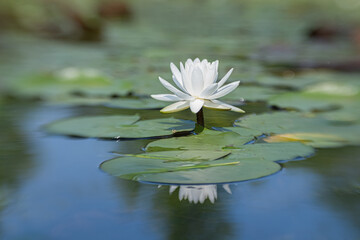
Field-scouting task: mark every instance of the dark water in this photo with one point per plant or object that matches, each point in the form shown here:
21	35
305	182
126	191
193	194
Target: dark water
51	188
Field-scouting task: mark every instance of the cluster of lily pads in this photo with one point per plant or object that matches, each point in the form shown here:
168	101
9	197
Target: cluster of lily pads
316	109
253	148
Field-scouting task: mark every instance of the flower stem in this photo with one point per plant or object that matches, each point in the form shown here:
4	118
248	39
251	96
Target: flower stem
200	117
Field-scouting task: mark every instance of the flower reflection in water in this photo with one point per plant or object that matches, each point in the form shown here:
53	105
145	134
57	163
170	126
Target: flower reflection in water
198	193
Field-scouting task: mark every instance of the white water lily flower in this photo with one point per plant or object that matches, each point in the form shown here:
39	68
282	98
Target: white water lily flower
198	87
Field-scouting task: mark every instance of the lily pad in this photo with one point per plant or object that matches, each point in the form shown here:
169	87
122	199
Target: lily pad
252	93
206	166
122	103
347	113
118	127
321	96
219	171
304	101
139	103
293	80
277	152
314	139
308	126
208	139
70	81
162	170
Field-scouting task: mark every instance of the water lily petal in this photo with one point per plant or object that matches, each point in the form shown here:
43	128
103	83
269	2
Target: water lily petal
178	84
177	78
166	97
189	63
225	78
176	107
212	105
209	90
225	90
232	108
197	81
196	105
177	92
176	72
186	77
216	64
204	62
209	75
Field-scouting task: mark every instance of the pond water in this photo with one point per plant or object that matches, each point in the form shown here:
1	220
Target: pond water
52	188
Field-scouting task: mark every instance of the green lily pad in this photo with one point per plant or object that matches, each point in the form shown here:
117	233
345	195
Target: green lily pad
208	139
252	93
244	131
219	171
273	151
123	103
70	81
295	81
320	96
140	103
78	101
308	128
163	170
206	166
118	126
315	139
304	101
347	113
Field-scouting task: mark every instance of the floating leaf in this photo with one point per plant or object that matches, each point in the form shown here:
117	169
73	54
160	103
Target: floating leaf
123	103
118	126
243	132
320	96
347	113
309	126
140	103
252	93
273	152
295	81
206	140
206	166
188	172
315	139
305	101
219	171
70	81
